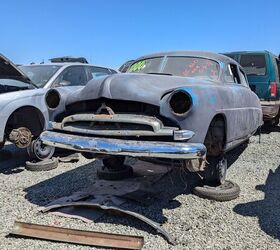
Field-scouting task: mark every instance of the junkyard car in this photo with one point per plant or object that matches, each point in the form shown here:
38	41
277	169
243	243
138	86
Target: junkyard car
175	105
24	114
64	71
263	71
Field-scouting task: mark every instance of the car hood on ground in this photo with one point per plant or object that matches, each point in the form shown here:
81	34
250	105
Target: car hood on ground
146	88
10	71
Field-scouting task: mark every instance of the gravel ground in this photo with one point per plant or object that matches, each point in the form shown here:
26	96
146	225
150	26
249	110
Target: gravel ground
250	222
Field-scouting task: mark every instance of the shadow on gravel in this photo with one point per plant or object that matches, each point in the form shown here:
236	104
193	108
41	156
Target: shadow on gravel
175	183
267	210
266	129
12	159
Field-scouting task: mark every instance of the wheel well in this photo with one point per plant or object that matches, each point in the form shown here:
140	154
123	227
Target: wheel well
215	139
29	117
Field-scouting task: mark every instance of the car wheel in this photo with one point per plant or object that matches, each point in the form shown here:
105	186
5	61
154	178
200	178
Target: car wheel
225	192
40	151
113	175
216	170
45	165
114	169
114	162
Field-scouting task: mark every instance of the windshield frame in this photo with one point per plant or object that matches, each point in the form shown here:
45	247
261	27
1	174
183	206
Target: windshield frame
43	84
165	60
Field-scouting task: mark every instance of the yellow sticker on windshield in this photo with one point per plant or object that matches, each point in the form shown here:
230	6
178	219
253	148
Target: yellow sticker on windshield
137	66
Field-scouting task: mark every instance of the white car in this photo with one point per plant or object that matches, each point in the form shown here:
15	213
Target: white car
64	71
24	114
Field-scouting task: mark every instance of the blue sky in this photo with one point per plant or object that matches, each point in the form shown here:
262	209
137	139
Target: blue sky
111	32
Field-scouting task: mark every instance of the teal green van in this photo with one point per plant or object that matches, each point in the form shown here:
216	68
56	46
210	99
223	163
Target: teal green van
263	72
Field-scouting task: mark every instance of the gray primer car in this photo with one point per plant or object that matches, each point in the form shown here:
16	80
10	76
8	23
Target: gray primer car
175	105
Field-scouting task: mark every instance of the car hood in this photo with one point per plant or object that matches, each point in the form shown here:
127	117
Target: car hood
10	71
146	88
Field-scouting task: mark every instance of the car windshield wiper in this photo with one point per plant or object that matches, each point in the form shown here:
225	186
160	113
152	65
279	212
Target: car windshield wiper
157	73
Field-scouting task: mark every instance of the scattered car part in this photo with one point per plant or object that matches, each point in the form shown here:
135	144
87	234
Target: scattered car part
225	192
44	165
67	235
21	137
40	151
69	158
153	224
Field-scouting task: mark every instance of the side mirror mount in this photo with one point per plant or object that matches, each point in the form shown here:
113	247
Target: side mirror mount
64	83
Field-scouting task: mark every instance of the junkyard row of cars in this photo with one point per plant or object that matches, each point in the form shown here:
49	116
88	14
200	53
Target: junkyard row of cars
185	106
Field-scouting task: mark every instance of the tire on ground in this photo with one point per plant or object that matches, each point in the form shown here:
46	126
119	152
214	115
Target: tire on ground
44	165
225	192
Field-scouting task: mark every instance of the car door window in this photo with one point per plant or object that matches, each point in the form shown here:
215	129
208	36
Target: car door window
96	72
72	76
232	74
243	79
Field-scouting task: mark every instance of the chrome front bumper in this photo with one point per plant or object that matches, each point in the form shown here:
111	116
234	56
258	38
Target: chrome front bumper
107	146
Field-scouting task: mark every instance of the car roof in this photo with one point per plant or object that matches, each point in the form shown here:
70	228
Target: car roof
203	54
67	64
250	52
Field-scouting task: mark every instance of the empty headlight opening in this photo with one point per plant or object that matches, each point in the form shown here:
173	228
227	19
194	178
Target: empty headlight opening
180	102
52	99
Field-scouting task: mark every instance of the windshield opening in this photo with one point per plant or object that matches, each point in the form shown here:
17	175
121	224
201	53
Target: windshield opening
150	65
253	64
40	74
184	66
192	67
8	85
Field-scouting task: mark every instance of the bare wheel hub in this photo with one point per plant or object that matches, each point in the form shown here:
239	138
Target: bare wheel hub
40	151
21	137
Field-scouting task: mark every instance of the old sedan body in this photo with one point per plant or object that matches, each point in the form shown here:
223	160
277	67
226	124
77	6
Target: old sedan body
176	105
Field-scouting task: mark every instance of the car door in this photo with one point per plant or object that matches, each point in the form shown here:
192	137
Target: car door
244	113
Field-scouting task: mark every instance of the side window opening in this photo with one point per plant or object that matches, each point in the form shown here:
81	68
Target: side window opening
74	76
96	72
254	64
233	75
243	79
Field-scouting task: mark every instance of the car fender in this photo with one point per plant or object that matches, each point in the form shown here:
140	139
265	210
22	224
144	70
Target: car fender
32	99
